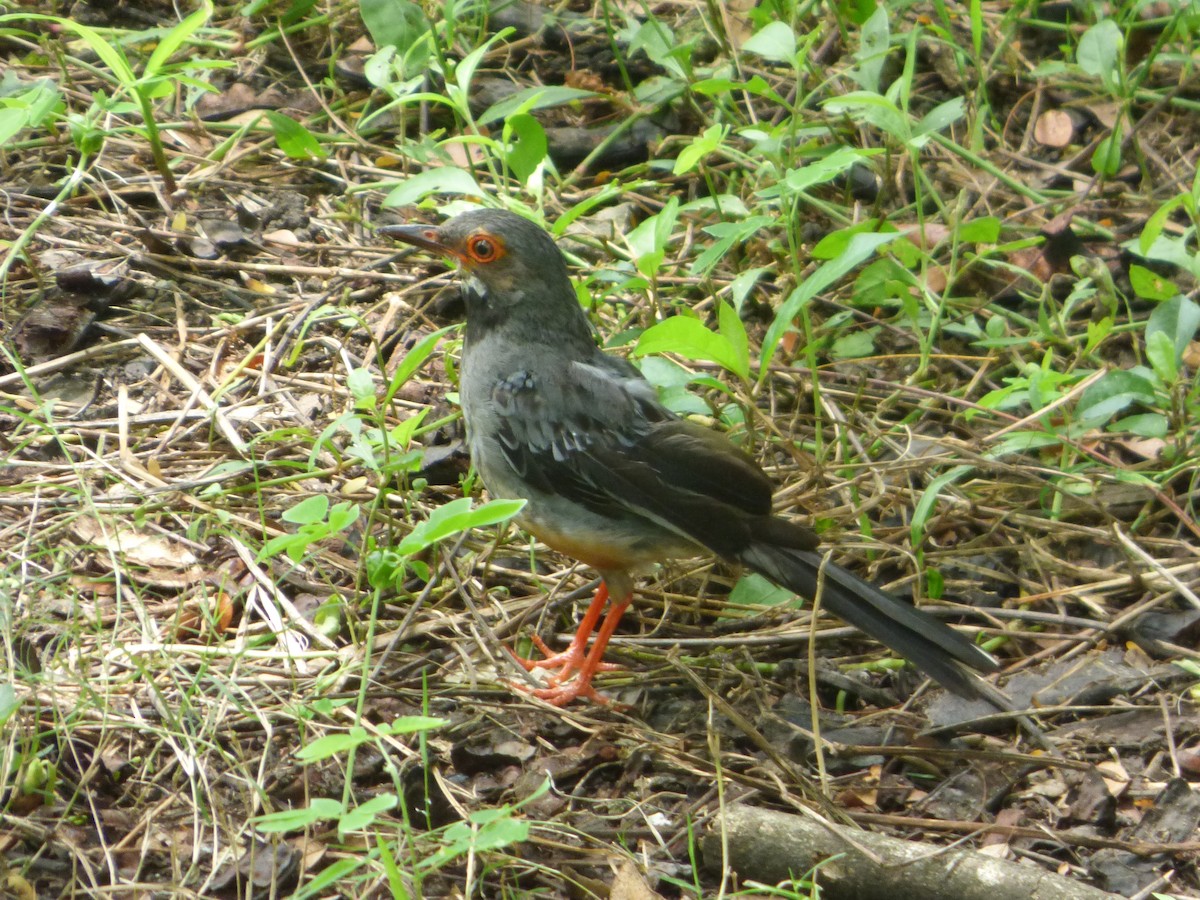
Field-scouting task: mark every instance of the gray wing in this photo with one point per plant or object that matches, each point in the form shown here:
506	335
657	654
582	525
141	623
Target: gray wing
597	435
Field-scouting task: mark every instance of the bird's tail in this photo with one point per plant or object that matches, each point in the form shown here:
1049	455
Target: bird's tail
932	646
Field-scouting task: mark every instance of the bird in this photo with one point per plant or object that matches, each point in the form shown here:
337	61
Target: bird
615	479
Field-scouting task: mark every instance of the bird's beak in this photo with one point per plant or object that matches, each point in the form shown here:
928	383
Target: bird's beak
424	236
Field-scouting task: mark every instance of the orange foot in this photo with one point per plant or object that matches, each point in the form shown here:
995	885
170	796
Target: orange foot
574	660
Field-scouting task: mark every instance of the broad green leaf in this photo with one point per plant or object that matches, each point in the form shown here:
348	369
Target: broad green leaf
442	180
333	744
754	590
361	384
530	99
984	230
308	511
413	360
394	23
318	810
734	331
1106	160
727	234
1150	425
1112	393
453	517
822	170
1099	51
412	724
528	145
856	344
365	814
874	43
342	516
873	109
12	120
938	119
1154	225
293	138
700	147
690	339
1160	353
9	703
1150	285
1177	318
775	41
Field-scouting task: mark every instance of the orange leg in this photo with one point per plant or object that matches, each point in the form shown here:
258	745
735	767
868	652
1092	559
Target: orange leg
581	685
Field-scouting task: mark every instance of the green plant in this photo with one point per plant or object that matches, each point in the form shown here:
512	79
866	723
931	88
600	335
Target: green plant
157	77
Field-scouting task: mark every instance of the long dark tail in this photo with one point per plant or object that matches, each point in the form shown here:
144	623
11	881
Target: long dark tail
932	646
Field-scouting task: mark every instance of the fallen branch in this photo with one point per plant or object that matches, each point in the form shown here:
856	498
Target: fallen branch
771	847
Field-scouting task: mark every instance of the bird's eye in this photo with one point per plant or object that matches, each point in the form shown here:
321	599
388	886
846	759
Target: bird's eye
482	249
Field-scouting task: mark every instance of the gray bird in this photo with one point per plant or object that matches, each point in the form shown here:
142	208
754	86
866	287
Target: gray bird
615	479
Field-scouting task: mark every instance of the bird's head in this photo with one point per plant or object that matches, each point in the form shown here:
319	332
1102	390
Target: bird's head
510	257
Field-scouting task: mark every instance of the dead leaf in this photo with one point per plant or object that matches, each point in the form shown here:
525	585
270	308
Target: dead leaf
136	546
628	884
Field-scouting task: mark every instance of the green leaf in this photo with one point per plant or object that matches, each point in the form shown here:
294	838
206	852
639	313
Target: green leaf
533	98
690	339
1160	352
333	744
925	506
363	815
527	147
1106	160
860	248
775	41
412	725
394	23
175	38
453	517
1099	51
342	516
110	55
701	146
293	138
856	344
9	703
413	360
12	120
873	109
1150	425
1112	393
727	234
1149	285
361	384
938	119
822	170
442	180
318	810
754	590
873	46
308	511
1177	318
984	230
734	331
1154	225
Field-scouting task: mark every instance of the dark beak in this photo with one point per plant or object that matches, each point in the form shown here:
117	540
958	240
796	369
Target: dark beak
424	236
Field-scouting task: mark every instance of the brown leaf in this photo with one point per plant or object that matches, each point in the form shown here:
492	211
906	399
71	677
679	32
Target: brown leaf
628	884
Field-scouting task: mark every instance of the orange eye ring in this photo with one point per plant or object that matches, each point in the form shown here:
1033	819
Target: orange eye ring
483	248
